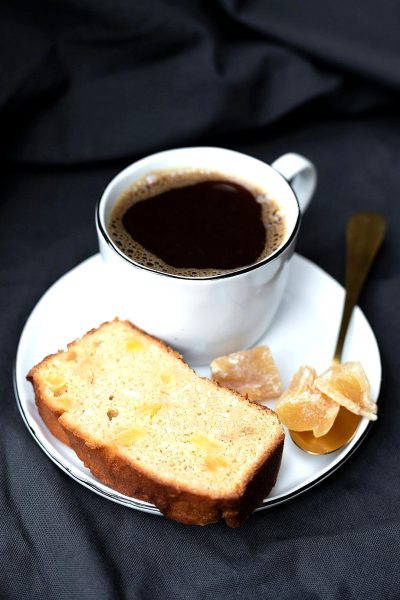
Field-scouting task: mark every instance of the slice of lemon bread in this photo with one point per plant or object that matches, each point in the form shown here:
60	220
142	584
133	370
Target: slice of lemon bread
148	426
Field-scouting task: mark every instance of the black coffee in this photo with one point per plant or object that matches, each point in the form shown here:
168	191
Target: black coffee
195	223
205	225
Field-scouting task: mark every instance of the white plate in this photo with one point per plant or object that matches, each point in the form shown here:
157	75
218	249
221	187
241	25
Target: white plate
304	332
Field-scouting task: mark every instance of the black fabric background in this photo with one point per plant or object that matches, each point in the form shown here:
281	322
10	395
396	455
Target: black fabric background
89	86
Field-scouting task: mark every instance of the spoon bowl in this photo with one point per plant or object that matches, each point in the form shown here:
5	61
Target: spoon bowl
342	432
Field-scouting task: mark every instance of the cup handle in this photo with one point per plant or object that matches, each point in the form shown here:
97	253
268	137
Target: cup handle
301	175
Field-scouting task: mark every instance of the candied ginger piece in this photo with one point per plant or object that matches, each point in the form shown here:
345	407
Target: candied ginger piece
150	409
127	437
204	442
303	407
348	385
252	372
213	463
65	403
133	345
57	384
69	355
211	450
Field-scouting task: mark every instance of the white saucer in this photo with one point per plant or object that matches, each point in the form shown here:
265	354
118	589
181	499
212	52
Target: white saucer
304	332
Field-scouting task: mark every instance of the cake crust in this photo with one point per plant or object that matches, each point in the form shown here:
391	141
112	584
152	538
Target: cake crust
173	501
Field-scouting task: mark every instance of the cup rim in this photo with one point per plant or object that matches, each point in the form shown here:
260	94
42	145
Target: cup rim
270	258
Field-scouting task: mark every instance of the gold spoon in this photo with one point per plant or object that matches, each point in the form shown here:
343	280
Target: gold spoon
365	233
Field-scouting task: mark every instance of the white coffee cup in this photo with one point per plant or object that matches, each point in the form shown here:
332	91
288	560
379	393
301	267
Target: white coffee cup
207	317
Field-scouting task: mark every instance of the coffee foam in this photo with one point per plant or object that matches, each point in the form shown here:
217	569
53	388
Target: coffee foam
157	182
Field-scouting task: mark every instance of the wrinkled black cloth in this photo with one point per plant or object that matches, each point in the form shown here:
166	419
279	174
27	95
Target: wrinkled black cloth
87	87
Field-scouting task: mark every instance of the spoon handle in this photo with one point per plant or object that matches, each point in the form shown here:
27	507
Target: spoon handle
365	233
